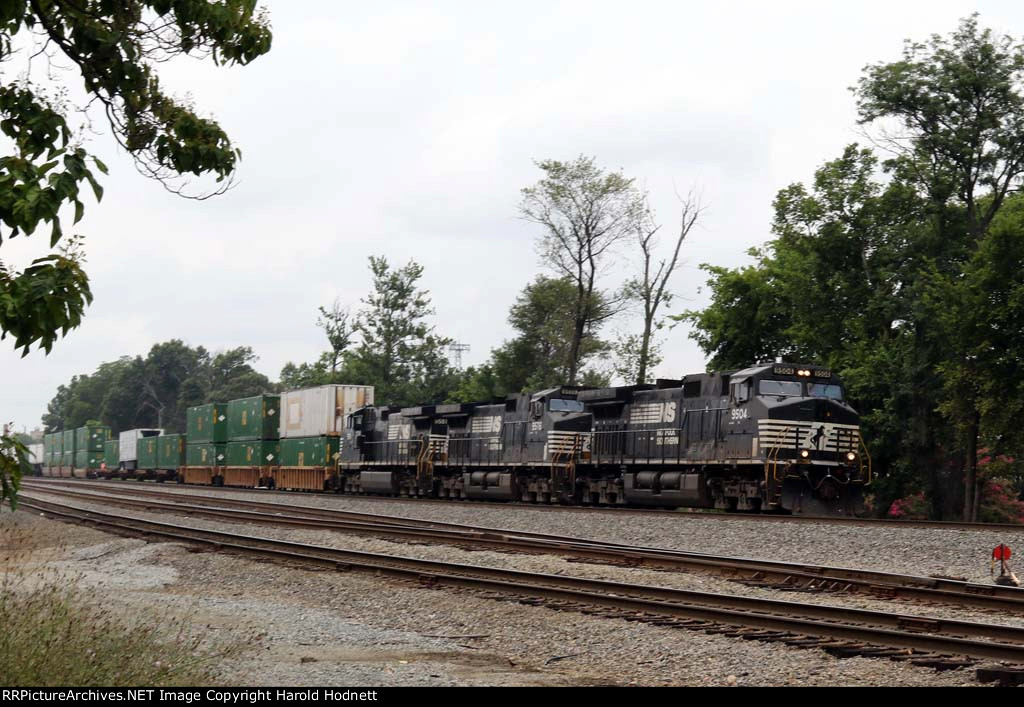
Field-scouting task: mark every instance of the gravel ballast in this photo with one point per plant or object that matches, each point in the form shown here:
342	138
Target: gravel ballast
353	626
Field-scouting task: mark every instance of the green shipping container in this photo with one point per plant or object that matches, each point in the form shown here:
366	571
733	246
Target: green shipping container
170	452
91	438
67	459
207	454
309	451
145	453
251	419
67	441
112	454
259	453
85	459
208	423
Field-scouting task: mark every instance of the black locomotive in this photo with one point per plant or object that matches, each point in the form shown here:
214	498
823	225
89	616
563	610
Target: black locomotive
770	438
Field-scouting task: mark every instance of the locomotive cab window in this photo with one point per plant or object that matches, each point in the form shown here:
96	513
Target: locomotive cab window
782	389
824	390
565	406
741	391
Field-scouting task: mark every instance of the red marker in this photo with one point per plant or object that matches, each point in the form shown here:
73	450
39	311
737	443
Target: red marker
1003	554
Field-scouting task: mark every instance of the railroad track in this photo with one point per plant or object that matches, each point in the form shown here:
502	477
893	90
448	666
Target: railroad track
776	575
687	513
922	640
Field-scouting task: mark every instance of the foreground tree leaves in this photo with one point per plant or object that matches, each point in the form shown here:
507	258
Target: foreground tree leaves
113	48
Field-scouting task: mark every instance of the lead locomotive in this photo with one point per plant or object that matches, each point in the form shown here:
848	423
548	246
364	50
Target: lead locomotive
770	438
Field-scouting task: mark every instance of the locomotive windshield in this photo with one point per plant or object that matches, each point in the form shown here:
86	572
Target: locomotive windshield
823	390
565	406
785	389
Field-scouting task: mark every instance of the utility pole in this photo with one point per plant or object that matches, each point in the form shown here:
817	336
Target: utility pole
456	350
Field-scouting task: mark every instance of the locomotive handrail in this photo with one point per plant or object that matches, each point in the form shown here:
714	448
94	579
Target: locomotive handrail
773	453
568	466
867	453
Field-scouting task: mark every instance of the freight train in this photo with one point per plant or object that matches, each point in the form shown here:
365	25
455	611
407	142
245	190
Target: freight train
770	438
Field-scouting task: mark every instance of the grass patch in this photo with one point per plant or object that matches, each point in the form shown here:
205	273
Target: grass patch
54	632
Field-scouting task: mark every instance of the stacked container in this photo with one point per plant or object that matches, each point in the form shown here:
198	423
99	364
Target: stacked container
170	453
89	441
207	428
56	453
252	440
47	454
206	454
146	453
312	421
111	456
67	463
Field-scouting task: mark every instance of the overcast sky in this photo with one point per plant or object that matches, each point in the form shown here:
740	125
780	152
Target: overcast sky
407	129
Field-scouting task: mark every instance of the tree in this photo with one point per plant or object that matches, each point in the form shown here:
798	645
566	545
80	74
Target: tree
399	353
584	212
634	357
304	375
959	105
649	289
155	391
835	287
13	465
113	47
336	325
538	356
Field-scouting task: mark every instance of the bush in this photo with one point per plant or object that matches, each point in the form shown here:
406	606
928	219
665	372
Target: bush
910	508
999	505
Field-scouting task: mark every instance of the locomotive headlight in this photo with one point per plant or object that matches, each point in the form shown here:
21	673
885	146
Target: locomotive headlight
804	373
850	457
804	454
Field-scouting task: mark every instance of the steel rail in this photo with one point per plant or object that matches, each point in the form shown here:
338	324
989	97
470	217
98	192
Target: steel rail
821	578
933	635
687	513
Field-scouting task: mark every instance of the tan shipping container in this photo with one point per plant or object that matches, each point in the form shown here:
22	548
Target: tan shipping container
321	412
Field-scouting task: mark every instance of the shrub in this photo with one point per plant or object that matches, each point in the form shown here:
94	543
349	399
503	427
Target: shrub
910	508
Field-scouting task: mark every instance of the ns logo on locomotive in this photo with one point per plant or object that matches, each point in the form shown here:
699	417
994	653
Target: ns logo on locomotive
770	438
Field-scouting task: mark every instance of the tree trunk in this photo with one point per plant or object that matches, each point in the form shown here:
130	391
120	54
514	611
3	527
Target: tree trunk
574	351
645	352
971	485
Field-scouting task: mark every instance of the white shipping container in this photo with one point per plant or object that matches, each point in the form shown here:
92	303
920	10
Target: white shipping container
317	412
128	441
35	454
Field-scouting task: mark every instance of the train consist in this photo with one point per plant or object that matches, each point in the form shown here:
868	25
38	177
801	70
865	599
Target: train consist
770	438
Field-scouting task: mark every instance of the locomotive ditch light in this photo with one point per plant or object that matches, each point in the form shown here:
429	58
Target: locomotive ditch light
804	454
850	456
